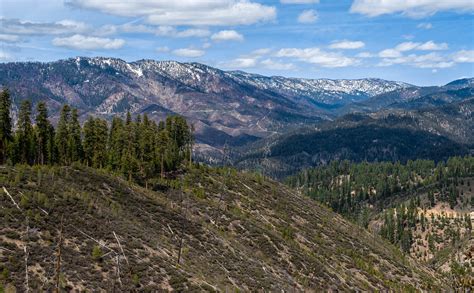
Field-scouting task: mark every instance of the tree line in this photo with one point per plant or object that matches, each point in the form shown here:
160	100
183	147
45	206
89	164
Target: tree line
136	148
350	188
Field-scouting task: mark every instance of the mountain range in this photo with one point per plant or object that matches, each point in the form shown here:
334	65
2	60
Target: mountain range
233	107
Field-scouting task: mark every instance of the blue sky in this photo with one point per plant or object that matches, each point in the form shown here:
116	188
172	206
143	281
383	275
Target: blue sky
424	42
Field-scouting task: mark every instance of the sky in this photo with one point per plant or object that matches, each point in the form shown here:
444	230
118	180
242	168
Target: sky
423	42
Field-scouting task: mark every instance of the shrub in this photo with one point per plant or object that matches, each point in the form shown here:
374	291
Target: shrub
97	253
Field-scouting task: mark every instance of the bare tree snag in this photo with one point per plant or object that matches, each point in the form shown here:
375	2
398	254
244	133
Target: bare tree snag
14	202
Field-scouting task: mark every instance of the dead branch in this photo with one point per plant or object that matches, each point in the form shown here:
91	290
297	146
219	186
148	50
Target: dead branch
120	246
14	202
118	269
95	240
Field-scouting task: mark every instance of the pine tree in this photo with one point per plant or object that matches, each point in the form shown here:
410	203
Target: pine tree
62	136
116	142
24	137
74	140
95	142
5	124
43	133
89	141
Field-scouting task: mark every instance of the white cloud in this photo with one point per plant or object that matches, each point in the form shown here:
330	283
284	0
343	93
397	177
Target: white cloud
9	38
193	32
299	1
81	42
308	16
318	57
347	45
390	53
365	55
463	56
432	46
259	52
276	65
425	25
409	46
20	27
430	60
172	32
189	12
240	63
411	8
406	46
227	35
189	52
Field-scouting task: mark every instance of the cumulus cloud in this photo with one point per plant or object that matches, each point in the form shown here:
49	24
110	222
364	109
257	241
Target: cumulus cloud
81	42
409	46
308	16
260	52
20	27
299	1
9	38
430	60
406	46
347	45
165	12
240	63
463	56
318	57
165	31
425	25
189	52
432	46
276	65
254	59
227	35
389	53
411	8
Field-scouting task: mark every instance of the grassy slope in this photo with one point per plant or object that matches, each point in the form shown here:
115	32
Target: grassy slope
238	231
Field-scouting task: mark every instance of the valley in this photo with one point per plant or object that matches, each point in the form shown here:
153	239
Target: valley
161	176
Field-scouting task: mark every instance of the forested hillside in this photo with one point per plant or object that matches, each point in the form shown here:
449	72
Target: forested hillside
422	207
138	149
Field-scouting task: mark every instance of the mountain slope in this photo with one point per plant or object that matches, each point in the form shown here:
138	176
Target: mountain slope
422	207
415	97
224	106
234	231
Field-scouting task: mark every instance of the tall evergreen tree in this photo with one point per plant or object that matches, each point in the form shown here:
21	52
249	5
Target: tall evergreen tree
74	141
116	143
24	138
95	142
62	136
42	133
5	124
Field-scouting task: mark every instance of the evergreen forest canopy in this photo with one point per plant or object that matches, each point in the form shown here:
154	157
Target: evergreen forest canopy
350	188
136	149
